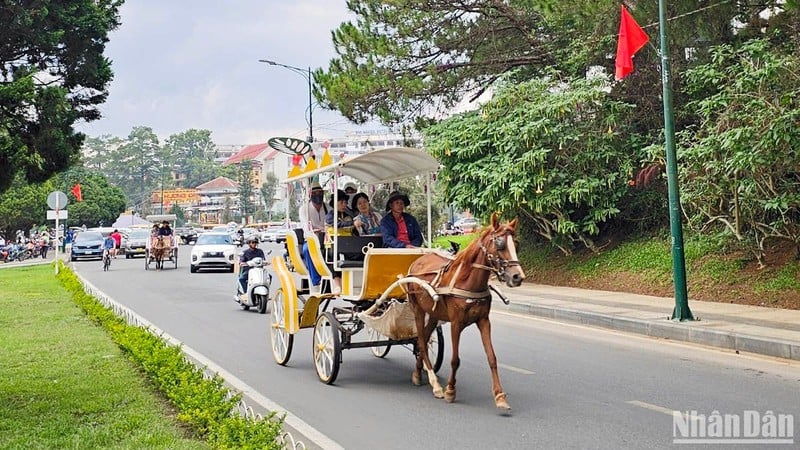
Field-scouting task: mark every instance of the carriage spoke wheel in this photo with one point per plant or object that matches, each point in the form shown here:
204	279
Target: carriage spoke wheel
436	348
280	339
378	350
327	348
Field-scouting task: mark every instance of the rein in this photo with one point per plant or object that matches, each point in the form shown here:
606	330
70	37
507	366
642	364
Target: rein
497	266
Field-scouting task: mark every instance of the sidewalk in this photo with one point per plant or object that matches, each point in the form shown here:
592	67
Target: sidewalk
755	329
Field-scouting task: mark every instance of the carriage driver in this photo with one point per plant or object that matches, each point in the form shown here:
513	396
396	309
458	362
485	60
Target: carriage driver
166	231
251	252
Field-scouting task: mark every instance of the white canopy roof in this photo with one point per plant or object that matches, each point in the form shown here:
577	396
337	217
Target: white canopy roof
380	166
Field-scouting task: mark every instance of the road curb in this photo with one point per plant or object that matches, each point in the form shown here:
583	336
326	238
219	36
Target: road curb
665	329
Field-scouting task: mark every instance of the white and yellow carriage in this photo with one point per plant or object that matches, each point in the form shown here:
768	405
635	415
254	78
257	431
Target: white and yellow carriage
373	296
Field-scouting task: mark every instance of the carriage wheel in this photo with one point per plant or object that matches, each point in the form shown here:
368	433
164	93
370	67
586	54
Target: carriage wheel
175	257
280	339
436	348
327	348
378	350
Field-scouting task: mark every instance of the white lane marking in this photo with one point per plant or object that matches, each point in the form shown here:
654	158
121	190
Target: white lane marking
661	409
515	369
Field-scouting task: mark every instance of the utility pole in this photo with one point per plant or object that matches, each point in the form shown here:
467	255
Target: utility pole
681	311
305	73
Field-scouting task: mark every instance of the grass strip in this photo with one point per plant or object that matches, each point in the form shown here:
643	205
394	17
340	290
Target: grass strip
63	382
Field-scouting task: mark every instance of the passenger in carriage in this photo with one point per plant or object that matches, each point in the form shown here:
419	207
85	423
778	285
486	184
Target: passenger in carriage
344	227
367	221
400	229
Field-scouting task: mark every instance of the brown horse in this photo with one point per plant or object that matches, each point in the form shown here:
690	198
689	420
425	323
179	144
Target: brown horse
462	285
160	249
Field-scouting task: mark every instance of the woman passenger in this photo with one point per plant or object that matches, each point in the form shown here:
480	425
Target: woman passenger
367	222
344	227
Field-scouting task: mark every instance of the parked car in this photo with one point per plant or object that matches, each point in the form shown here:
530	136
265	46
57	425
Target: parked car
213	250
87	244
467	224
136	243
187	234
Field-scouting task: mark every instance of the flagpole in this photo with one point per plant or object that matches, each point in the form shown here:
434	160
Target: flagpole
681	311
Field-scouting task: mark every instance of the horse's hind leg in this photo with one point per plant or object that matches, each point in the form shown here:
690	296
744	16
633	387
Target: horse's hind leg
419	321
433	379
423	335
485	328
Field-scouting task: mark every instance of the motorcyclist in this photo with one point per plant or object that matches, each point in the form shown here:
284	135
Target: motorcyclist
252	251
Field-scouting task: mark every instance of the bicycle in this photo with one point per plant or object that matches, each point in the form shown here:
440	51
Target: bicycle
106	260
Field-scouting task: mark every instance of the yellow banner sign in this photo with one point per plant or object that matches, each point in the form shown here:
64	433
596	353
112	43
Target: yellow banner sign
177	196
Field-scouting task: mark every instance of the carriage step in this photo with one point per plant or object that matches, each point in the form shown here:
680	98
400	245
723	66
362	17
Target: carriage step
309	315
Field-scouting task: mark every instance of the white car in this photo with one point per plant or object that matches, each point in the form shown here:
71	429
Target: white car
467	224
274	234
213	251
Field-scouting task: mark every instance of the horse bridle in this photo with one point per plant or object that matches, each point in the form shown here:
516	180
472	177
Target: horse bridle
497	264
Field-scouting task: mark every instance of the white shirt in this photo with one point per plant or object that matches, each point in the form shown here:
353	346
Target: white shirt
311	218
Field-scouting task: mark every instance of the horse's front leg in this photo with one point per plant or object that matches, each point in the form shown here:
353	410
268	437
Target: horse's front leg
455	360
485	328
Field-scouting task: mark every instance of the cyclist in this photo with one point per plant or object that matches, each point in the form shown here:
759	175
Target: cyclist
108	247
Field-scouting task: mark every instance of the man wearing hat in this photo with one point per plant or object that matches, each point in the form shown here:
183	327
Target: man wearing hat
165	229
398	228
350	189
314	212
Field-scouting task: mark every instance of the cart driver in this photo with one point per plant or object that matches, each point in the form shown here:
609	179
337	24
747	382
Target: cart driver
251	252
166	231
399	228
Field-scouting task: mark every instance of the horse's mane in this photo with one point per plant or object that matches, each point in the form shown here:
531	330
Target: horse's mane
470	254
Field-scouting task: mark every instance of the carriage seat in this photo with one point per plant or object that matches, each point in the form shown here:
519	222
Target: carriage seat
354	249
383	266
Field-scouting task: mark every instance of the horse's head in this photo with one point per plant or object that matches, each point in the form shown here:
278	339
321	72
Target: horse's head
501	250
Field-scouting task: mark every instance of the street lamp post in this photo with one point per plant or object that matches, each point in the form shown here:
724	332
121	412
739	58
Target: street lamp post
305	73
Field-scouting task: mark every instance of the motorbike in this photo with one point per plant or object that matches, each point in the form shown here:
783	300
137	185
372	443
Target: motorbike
258	284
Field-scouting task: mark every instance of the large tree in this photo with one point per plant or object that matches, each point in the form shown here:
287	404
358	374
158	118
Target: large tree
53	74
408	59
191	157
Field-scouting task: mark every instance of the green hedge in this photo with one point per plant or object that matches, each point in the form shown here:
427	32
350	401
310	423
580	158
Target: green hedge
204	404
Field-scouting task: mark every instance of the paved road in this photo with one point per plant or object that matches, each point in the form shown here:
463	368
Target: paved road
570	386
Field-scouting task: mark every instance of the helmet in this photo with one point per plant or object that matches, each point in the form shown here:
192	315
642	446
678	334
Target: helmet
251	239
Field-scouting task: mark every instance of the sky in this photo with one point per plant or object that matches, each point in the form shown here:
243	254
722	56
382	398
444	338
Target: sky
182	64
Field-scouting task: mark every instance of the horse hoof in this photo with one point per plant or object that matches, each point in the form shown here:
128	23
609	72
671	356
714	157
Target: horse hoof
438	393
500	402
450	395
415	379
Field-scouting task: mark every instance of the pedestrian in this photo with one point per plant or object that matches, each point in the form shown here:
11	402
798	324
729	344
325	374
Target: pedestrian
45	243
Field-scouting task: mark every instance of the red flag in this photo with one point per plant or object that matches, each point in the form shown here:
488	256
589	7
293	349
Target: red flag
76	191
631	39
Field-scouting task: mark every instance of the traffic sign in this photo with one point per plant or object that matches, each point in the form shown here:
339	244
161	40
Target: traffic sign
57	200
51	214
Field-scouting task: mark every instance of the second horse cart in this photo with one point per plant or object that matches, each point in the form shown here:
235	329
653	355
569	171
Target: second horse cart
160	250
